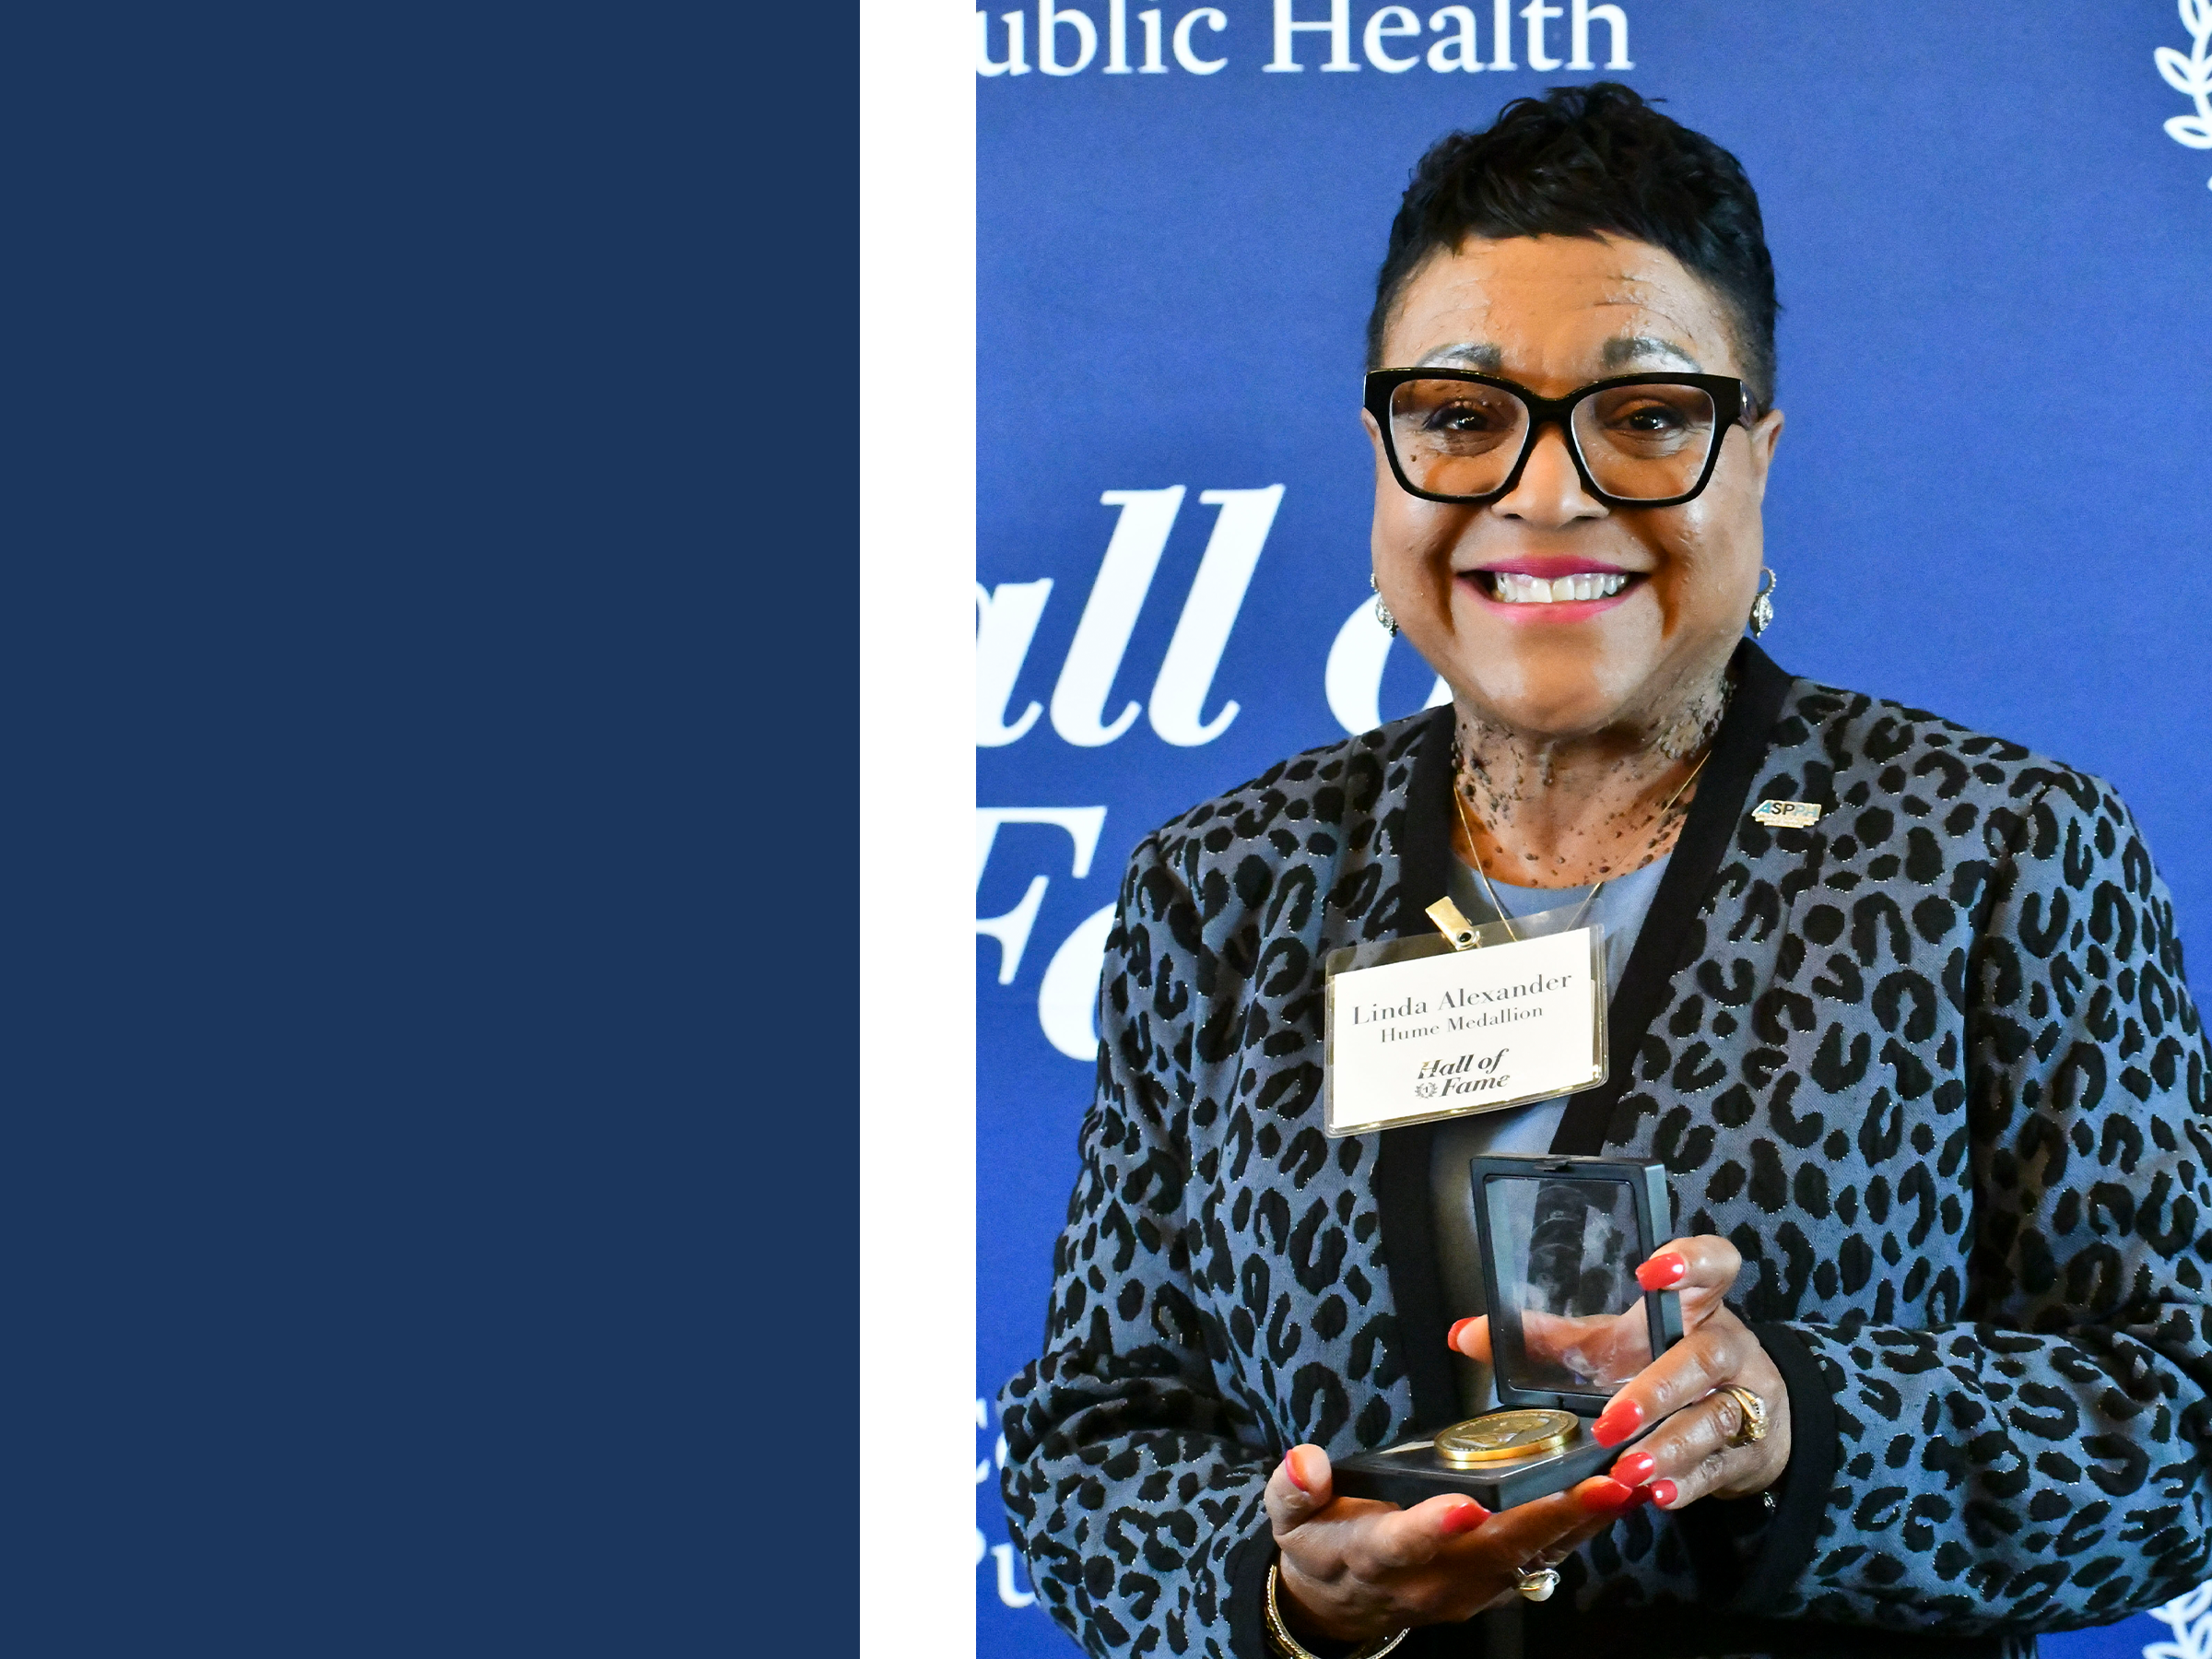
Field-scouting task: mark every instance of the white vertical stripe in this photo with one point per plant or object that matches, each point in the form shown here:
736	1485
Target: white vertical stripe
917	755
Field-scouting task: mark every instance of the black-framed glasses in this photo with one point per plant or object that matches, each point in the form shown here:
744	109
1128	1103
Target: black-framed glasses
1637	440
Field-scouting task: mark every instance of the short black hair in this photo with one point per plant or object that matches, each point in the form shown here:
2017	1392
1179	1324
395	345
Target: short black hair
1592	161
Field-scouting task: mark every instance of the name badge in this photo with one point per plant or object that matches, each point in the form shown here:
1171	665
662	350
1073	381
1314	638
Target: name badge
1417	1031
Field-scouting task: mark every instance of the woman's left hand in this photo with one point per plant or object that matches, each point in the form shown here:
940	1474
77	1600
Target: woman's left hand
1700	1447
1695	1452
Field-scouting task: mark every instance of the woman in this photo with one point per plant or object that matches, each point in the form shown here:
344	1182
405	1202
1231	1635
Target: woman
1914	1048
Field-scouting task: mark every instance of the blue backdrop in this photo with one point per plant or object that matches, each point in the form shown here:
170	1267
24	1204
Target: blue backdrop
1993	231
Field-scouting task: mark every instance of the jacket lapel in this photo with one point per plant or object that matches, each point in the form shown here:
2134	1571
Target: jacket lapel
1423	845
1739	748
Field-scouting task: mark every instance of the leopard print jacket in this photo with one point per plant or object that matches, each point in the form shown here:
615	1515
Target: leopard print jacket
1930	1063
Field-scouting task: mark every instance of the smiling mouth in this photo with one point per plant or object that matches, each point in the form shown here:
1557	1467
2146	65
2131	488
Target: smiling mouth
1510	588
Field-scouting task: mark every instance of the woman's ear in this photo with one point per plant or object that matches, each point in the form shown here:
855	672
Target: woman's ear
1766	433
1374	438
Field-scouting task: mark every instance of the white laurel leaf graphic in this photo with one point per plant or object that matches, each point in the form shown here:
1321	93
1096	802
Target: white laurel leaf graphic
2182	75
2188	1617
2192	77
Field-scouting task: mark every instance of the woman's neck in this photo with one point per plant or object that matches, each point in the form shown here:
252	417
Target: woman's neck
1557	813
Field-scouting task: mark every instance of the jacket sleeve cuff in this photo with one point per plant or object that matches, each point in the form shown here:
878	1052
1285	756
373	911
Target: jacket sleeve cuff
1793	1532
1248	1593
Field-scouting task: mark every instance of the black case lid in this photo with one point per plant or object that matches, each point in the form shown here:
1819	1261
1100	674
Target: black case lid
1518	1199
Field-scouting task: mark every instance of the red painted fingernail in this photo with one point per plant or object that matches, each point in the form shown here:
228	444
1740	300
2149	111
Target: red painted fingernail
1616	1422
1663	1492
1610	1498
1452	1340
1635	1468
1291	1469
1466	1518
1642	1494
1662	1271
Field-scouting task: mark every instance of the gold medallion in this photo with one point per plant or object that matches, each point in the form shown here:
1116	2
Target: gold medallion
1504	1436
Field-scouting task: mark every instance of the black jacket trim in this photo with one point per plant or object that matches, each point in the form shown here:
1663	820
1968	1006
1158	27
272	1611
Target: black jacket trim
1248	1564
1423	842
1739	748
1410	1255
1801	1495
1424	850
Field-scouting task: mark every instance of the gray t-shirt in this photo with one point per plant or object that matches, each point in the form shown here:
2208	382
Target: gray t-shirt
1620	909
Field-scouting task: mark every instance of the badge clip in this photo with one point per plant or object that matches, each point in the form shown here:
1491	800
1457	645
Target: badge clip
1452	923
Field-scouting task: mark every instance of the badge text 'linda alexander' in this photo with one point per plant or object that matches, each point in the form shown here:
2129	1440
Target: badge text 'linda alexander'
1456	997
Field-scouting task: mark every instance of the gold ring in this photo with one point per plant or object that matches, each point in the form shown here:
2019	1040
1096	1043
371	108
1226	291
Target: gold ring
1751	1412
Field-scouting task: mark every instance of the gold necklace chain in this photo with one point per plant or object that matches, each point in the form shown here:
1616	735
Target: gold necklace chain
1467	824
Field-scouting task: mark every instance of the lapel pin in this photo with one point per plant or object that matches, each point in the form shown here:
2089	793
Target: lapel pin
1786	815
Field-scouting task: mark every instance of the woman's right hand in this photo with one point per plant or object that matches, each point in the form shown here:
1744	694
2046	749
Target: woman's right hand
1355	1570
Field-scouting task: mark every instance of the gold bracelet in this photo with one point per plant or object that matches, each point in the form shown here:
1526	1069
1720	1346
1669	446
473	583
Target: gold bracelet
1291	1648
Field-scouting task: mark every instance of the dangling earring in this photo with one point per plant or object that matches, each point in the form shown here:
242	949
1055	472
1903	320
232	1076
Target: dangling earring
1383	611
1762	607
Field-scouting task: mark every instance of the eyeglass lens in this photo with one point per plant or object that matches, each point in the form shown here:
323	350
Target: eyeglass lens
1640	443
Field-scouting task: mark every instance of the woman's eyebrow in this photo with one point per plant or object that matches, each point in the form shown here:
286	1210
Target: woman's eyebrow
1468	355
1619	353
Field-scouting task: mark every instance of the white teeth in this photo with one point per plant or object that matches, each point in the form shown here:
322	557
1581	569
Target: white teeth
1514	589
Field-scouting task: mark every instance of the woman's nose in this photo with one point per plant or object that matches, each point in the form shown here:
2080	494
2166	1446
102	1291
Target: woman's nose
1549	491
